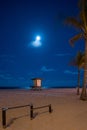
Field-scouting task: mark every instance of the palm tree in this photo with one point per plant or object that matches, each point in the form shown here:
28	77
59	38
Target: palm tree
78	62
81	24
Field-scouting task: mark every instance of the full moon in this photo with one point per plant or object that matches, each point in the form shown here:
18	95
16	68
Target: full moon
37	42
38	38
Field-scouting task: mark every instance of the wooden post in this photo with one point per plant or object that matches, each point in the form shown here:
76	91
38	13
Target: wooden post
50	109
31	111
4	117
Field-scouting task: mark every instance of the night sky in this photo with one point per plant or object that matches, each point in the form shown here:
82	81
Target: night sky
20	22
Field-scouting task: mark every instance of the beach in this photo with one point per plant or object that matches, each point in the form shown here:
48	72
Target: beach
69	112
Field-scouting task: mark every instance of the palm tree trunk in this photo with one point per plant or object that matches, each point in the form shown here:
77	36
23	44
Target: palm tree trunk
78	81
83	94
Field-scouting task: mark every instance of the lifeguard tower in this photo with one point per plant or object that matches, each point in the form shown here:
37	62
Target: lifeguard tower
37	82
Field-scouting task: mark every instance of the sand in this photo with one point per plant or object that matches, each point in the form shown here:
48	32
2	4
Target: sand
69	112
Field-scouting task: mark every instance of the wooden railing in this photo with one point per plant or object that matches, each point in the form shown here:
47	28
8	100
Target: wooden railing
33	108
16	107
4	113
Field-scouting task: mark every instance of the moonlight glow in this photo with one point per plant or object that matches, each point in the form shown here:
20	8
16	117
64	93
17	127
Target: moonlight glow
37	42
38	38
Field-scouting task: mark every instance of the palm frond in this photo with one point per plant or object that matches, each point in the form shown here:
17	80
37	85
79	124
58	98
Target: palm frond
75	38
82	61
81	17
80	3
74	22
78	60
83	10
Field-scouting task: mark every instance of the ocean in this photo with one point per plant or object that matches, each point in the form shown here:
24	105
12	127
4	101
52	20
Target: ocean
43	87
